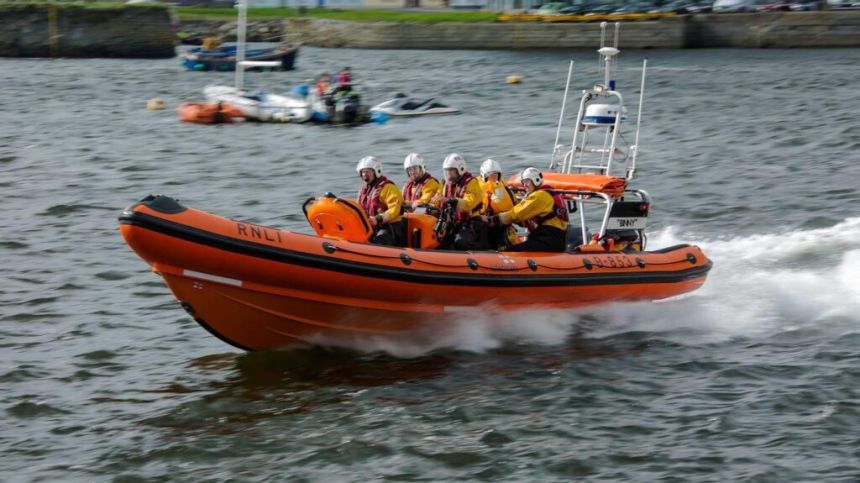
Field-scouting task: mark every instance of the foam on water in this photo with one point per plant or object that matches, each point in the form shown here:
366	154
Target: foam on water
760	286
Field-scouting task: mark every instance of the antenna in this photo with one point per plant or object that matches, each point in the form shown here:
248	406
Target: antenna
561	116
617	28
602	43
632	168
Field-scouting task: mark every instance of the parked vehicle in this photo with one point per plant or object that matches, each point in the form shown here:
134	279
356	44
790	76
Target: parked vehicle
684	7
805	5
552	8
774	6
634	6
732	6
601	8
843	4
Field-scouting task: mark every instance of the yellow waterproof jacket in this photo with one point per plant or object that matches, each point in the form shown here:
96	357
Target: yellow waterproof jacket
391	196
472	197
497	199
468	196
383	198
429	189
538	203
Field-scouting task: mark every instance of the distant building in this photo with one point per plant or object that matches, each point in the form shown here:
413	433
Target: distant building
347	4
499	5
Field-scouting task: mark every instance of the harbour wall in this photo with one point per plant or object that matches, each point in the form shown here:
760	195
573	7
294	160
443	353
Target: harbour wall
777	30
132	31
145	31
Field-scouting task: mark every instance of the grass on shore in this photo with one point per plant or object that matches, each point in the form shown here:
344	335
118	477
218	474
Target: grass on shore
193	13
86	5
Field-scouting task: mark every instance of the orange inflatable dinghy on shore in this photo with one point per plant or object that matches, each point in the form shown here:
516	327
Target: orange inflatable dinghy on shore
262	288
209	113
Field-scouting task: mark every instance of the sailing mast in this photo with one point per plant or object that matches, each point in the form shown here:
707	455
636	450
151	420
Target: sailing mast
240	41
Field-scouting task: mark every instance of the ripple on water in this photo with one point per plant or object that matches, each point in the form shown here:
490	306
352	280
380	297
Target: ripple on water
13	245
61	211
30	410
113	275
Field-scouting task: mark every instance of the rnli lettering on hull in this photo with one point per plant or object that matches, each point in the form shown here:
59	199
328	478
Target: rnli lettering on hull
255	232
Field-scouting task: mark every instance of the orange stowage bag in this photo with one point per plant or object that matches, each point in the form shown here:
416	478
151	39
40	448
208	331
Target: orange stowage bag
578	182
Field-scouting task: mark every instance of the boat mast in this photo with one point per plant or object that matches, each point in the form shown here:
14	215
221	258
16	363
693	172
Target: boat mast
240	41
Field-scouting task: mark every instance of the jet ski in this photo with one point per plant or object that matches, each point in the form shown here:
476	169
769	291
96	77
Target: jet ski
403	106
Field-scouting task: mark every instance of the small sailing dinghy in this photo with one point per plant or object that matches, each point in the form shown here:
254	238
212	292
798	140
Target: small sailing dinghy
257	105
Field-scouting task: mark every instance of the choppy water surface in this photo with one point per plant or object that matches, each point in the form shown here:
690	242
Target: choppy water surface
751	154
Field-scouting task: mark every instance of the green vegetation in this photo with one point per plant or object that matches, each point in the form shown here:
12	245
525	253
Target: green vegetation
194	13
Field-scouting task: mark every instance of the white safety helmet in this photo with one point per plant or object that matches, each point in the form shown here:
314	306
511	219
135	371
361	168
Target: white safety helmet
369	162
489	167
414	159
533	175
455	161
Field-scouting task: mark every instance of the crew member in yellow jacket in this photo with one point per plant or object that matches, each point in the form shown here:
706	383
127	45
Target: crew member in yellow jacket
421	187
382	201
469	231
542	212
497	199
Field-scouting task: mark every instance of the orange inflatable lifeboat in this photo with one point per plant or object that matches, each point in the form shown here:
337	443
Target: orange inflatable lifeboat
209	113
262	288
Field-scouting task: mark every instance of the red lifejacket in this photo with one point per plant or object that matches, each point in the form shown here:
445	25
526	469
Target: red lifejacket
368	196
412	190
559	210
457	190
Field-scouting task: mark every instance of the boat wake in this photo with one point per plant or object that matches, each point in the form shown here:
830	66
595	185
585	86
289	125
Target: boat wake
760	286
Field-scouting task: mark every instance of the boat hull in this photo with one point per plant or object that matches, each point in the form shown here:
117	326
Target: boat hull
224	59
260	288
263	108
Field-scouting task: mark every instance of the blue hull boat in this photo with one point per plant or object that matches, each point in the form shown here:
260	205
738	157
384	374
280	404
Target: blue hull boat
223	59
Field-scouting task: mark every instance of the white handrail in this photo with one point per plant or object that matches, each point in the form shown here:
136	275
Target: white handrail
616	128
576	130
